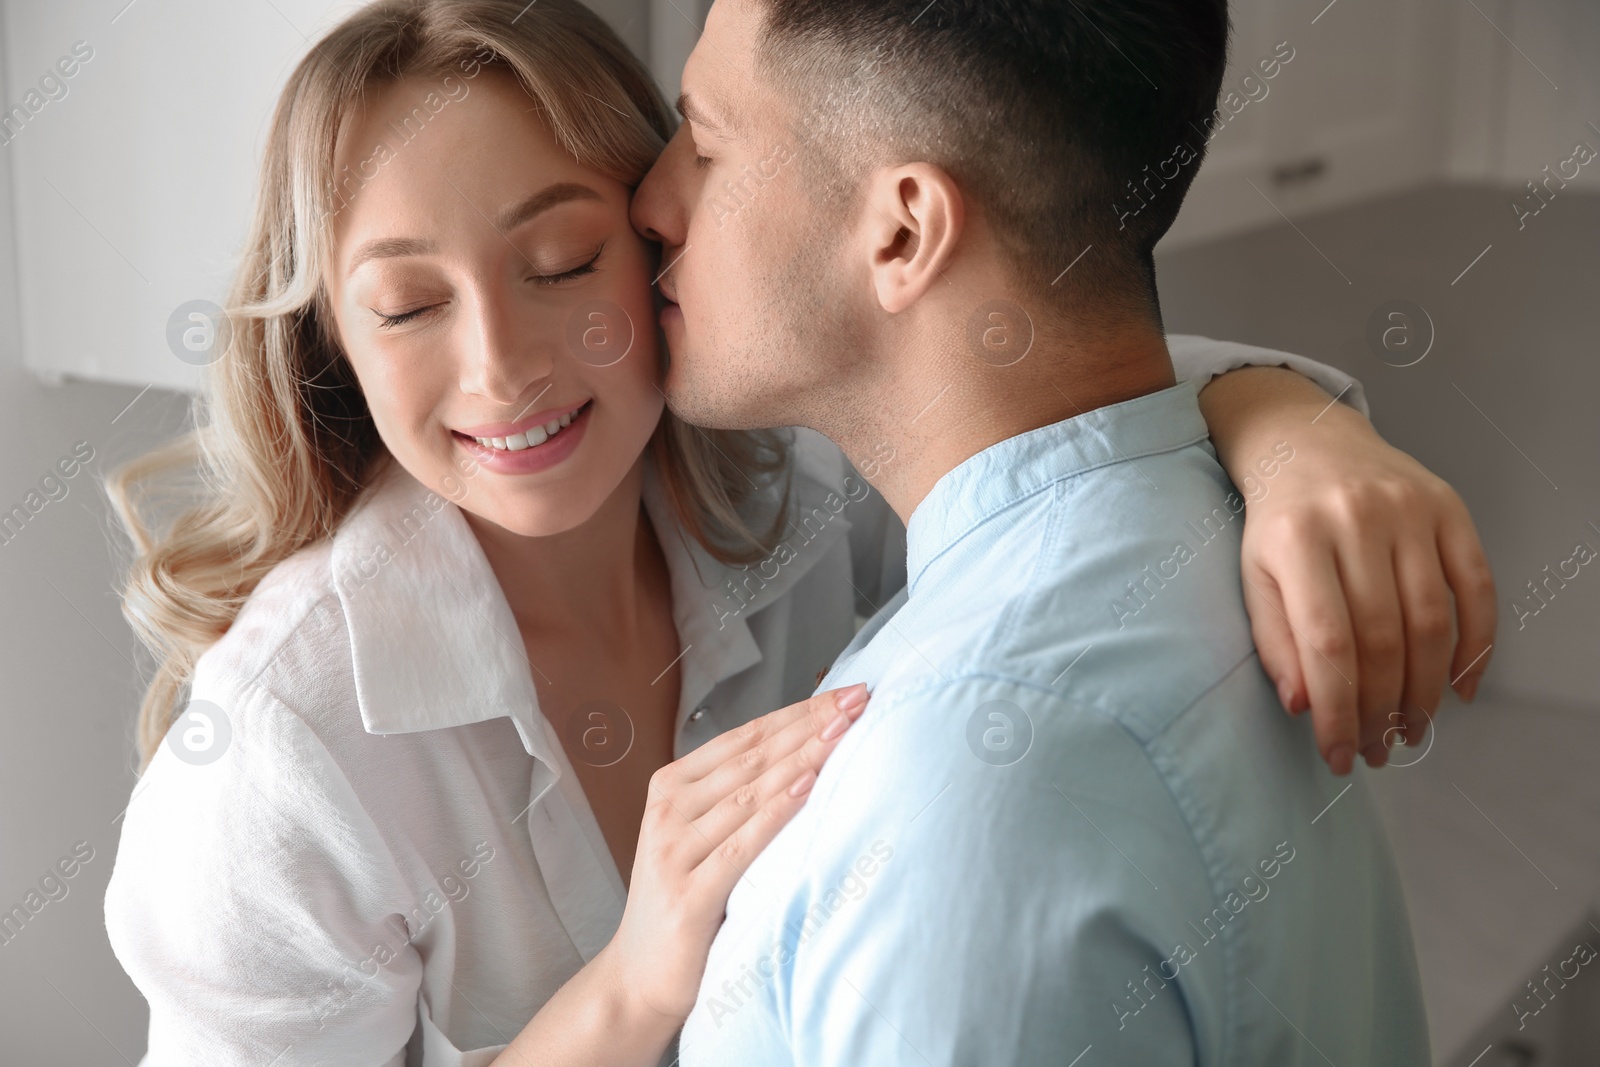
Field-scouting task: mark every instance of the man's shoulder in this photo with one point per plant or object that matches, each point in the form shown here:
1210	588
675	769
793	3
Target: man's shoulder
1118	589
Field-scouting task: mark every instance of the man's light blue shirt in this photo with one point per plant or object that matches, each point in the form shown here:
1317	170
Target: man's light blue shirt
1074	825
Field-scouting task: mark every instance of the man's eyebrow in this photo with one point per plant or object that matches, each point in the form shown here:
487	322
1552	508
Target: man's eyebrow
508	219
689	108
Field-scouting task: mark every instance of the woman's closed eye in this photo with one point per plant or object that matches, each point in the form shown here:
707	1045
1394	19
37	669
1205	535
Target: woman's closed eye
587	267
391	320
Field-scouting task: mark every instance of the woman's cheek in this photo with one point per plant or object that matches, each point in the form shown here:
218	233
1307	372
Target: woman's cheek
396	398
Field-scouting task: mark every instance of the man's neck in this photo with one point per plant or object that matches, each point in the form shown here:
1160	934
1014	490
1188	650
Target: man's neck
939	415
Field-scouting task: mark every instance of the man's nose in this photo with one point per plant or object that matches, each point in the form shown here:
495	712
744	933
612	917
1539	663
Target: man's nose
655	211
644	211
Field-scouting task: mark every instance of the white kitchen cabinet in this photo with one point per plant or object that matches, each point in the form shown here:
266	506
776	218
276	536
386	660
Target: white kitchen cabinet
1354	107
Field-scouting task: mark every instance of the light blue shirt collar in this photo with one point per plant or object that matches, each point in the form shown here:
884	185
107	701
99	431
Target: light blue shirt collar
1016	468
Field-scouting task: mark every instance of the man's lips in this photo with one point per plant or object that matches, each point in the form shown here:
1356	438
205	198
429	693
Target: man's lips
664	281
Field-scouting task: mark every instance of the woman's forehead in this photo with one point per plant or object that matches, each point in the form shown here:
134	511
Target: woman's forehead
432	152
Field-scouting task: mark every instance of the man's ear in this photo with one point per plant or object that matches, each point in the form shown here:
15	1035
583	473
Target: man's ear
917	219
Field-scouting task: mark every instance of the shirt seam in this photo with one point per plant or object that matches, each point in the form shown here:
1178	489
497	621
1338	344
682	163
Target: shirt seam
269	661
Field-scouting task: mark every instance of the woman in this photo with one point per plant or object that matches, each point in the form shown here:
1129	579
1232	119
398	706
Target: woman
464	615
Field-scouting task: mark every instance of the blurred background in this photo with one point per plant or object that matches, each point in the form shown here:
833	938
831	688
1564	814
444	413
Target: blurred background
1412	195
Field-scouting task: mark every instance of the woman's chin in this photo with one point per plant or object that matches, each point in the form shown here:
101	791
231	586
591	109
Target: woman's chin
525	515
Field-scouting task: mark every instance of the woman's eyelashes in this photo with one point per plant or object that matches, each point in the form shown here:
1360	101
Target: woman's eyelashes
587	267
389	320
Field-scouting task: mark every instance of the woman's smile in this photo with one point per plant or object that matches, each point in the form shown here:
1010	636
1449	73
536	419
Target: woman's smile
531	445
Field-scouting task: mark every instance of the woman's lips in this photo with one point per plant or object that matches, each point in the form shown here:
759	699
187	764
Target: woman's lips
522	425
536	457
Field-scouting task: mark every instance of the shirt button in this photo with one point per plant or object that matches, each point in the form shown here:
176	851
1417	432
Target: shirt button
698	713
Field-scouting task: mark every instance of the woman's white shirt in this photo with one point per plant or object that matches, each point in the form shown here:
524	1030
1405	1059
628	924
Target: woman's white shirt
363	844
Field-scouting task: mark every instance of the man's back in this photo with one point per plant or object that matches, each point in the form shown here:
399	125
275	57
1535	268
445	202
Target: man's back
1074	821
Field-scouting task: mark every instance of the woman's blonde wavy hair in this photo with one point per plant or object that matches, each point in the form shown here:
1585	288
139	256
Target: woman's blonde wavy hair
284	443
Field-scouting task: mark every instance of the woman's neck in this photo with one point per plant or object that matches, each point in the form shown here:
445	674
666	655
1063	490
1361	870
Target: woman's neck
592	582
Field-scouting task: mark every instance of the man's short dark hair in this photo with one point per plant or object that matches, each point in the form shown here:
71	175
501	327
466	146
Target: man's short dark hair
1054	116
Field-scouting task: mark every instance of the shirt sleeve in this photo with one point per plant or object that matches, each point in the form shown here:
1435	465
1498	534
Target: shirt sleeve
1199	359
976	914
257	908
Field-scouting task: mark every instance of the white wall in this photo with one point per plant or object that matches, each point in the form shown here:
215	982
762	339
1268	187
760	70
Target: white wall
67	689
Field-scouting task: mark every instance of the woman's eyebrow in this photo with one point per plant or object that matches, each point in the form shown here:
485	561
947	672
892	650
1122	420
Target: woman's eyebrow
507	219
389	248
545	199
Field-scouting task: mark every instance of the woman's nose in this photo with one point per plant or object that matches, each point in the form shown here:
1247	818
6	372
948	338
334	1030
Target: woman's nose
502	358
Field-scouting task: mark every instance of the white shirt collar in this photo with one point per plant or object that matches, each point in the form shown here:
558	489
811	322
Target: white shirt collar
434	642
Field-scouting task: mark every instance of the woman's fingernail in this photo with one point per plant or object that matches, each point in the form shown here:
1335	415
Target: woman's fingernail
1285	695
1341	758
1377	754
852	698
1472	691
835	728
803	784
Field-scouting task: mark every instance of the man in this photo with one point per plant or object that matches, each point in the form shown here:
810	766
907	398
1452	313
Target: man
1073	825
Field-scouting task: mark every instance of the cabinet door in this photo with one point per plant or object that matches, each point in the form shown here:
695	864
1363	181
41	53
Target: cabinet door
1353	110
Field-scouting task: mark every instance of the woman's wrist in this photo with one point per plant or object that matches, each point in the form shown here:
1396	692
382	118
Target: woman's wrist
1251	410
597	1017
628	1009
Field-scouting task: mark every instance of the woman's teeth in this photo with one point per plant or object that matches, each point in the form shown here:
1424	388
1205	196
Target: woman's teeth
532	439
